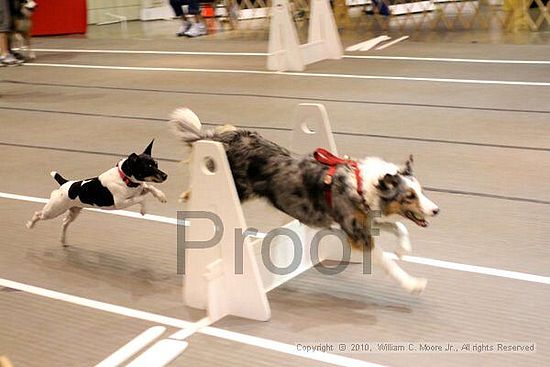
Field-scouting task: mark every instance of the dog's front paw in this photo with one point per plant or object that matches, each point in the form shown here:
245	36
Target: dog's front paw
416	285
142	209
161	197
29	224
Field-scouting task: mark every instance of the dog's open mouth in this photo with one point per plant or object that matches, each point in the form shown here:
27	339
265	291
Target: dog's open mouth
156	179
420	221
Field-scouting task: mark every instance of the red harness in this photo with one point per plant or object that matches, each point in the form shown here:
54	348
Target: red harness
325	157
125	178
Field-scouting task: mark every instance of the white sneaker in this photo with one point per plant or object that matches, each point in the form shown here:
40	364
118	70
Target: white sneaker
9	59
196	30
184	28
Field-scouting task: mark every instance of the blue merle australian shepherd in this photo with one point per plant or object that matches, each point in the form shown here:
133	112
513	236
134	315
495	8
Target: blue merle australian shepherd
322	190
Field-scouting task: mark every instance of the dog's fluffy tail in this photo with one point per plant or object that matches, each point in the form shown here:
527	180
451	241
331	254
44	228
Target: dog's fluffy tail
60	179
187	126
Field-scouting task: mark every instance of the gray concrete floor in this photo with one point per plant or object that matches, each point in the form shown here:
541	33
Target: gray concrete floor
482	151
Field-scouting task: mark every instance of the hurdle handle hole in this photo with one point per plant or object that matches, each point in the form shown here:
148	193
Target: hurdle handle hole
307	128
209	166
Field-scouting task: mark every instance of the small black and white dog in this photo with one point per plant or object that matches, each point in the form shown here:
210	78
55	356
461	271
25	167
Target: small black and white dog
22	25
119	187
321	190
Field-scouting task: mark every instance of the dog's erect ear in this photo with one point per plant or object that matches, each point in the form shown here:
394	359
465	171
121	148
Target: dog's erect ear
388	185
407	169
133	157
149	148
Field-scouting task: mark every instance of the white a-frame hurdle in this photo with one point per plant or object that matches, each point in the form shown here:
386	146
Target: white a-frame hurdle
285	51
230	277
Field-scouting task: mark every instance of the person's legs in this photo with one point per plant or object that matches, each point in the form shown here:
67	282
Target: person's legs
176	6
4	50
5	26
198	28
194	9
6	58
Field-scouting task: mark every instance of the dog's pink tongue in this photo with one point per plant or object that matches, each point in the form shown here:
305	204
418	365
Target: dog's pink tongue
424	224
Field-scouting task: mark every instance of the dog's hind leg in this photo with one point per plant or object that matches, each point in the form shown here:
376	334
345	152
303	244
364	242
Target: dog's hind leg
411	284
56	205
35	218
399	230
43	214
69	218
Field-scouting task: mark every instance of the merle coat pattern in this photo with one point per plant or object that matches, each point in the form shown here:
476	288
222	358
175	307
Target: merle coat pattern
296	186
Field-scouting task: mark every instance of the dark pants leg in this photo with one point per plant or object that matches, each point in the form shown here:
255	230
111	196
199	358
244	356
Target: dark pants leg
176	6
5	16
193	6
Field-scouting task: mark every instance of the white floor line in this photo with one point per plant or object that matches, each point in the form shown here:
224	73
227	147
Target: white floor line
478	269
189	70
170	321
160	354
97	305
132	347
533	278
296	74
368	44
448	59
147	52
264	54
187	332
391	43
122	213
412	259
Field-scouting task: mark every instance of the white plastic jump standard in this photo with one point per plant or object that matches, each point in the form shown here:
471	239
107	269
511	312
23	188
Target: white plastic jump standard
285	52
212	279
312	130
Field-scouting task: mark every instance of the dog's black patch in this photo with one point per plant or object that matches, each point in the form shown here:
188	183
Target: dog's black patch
91	192
74	190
